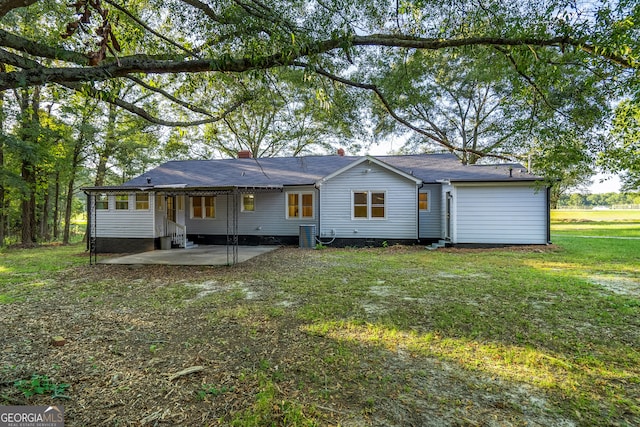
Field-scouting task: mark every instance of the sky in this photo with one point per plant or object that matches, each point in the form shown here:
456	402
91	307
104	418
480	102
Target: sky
610	184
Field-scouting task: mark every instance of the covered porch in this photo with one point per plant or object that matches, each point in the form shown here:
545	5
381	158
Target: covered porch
162	216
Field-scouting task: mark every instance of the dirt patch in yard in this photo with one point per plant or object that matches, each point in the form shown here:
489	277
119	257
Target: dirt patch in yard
618	285
133	332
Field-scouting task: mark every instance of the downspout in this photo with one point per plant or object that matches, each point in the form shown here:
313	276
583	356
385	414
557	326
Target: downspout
317	187
418	208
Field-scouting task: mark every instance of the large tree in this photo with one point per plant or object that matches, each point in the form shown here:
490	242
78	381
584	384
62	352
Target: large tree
469	105
623	152
106	39
181	55
281	119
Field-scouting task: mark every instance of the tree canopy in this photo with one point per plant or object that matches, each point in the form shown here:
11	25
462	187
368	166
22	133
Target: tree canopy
80	45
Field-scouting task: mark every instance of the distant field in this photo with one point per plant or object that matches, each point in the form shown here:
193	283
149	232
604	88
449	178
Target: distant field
585	215
613	223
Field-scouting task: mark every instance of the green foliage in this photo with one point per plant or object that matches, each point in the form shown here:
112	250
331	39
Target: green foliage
285	117
269	409
623	152
210	390
564	159
40	384
605	199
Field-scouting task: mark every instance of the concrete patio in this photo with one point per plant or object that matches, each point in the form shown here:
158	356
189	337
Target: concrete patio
202	255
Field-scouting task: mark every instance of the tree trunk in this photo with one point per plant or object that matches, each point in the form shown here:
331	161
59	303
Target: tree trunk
75	162
30	121
56	208
67	209
108	149
3	213
28	205
44	216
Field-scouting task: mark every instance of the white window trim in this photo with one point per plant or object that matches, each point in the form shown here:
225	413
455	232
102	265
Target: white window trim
108	200
428	193
242	209
300	194
135	202
115	203
215	208
369	205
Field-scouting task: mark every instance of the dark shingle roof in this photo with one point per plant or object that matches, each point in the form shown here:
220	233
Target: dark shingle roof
283	171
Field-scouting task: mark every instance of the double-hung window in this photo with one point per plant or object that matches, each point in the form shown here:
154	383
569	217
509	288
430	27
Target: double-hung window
142	201
248	203
369	205
299	205
122	202
203	207
102	201
423	201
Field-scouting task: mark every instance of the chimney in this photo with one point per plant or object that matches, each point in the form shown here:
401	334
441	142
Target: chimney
244	154
340	152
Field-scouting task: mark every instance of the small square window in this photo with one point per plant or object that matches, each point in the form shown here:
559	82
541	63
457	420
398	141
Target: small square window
248	203
142	201
122	202
102	201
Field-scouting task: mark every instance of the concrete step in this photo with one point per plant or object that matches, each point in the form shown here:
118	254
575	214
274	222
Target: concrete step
190	245
437	245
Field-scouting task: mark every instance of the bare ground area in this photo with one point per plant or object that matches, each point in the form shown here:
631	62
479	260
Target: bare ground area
130	331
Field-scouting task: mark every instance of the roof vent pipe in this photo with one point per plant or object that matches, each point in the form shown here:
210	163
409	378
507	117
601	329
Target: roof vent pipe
510	172
148	180
244	154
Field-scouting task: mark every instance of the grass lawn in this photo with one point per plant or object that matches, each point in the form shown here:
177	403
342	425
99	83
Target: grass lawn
382	336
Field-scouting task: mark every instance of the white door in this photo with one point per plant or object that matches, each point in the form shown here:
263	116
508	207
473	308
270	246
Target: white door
180	209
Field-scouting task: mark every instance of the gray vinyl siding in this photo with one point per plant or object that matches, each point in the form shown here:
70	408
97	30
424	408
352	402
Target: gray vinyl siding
431	220
268	219
500	215
401	205
130	223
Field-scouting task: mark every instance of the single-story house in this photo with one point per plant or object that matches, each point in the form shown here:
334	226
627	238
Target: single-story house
338	200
